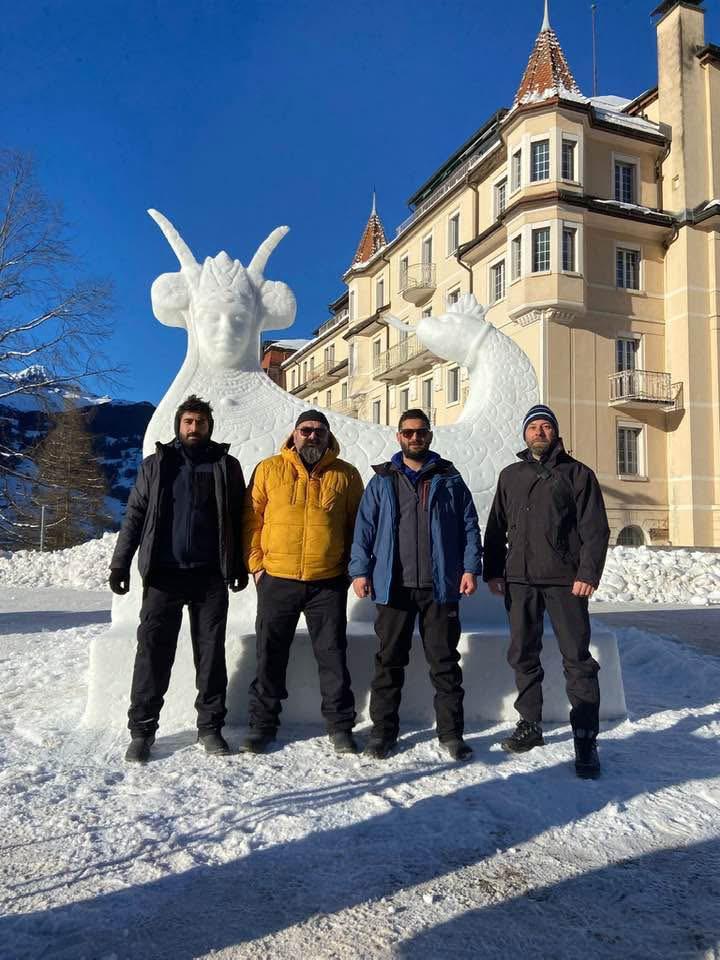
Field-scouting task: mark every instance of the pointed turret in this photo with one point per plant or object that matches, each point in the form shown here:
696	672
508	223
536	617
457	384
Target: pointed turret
373	238
547	73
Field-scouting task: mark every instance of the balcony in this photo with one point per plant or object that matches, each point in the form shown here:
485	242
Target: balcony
347	407
645	388
417	283
408	356
341	317
325	374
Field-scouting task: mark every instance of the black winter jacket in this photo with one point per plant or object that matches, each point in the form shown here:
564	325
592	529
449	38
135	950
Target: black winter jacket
548	523
142	524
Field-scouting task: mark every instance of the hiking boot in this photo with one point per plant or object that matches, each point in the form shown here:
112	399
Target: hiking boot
379	746
457	748
587	762
527	734
343	741
139	749
258	741
214	743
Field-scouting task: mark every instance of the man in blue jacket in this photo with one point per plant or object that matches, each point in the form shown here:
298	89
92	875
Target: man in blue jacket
416	551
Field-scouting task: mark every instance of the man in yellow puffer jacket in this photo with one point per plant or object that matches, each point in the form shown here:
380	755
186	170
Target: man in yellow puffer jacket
298	528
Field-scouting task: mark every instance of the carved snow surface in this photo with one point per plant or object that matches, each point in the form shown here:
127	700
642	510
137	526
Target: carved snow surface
225	307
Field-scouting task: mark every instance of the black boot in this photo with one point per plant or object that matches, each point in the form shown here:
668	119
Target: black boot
379	746
527	734
457	748
343	741
139	749
213	742
258	741
587	762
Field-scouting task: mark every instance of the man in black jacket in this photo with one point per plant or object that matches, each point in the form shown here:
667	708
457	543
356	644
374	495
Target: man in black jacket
184	516
545	545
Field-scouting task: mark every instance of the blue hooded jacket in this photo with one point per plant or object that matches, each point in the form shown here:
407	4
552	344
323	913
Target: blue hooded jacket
455	543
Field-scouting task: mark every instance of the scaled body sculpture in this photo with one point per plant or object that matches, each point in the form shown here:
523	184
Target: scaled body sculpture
225	308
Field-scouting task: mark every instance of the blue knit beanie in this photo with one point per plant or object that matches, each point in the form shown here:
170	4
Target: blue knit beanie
540	412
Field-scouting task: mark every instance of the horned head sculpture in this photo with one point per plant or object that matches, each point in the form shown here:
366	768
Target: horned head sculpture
223	305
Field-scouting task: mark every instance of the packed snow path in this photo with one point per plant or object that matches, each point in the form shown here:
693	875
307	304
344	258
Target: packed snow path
301	854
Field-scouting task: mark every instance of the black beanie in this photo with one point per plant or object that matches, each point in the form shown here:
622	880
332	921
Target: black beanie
312	415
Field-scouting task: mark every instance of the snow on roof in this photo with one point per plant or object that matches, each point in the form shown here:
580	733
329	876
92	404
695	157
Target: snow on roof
547	73
610	101
289	344
625	120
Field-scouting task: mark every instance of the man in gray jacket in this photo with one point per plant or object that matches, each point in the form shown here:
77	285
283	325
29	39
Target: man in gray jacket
184	516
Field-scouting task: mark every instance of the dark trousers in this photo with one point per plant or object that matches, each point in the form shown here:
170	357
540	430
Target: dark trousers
526	605
164	596
440	632
280	603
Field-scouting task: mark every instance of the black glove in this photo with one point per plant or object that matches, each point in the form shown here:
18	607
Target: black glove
238	583
119	581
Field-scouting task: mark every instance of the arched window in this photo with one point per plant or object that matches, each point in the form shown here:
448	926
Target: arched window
631	537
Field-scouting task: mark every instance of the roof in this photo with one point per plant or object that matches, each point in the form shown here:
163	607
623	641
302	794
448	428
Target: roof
373	238
547	73
667	5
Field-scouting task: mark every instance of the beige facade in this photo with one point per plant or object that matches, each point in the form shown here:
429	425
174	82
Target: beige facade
591	229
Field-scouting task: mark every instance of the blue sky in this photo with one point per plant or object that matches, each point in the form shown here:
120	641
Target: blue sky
234	117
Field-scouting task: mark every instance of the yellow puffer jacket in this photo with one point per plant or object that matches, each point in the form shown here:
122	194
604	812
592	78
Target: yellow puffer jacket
299	525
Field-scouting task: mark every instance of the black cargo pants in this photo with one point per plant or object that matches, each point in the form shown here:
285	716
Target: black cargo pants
164	595
526	605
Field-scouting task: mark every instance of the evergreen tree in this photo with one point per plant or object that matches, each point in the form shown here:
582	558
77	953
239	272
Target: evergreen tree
68	482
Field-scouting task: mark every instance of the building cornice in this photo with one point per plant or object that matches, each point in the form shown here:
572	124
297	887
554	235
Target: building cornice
710	53
596	122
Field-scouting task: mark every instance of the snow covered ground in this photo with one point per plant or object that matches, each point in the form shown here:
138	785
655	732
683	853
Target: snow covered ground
301	854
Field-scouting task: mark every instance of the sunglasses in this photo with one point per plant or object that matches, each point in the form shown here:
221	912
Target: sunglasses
421	434
309	431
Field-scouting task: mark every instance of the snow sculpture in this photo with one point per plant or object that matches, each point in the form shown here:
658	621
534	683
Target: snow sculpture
225	307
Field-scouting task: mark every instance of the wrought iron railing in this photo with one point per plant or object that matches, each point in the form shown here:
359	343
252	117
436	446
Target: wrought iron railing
405	350
418	275
652	386
333	322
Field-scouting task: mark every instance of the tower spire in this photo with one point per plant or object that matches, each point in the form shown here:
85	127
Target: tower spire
374	206
546	21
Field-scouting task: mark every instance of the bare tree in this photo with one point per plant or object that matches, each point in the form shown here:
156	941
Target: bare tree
53	320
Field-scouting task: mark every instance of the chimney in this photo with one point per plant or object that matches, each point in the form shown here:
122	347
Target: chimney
681	101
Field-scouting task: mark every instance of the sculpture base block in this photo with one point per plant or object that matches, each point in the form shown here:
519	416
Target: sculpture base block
487	678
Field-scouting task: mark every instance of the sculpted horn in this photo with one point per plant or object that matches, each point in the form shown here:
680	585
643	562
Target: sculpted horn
398	324
181	250
257	264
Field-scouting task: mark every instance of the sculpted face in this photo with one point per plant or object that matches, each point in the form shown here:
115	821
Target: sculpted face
224	330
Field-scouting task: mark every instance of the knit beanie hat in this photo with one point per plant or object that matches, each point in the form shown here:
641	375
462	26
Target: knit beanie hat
540	412
315	415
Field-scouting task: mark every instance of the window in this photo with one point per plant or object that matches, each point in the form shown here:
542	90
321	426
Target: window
541	249
453	296
453	233
497	281
569	249
376	355
293	379
427	312
376	411
331	354
427	250
569	148
625	181
628	450
627	268
516	257
328	398
453	385
343	390
427	394
631	537
540	161
380	293
403	273
304	373
405	399
500	197
626	349
312	365
351	305
351	358
516	171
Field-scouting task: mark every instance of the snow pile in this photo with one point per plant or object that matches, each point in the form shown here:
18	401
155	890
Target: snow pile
80	568
661	576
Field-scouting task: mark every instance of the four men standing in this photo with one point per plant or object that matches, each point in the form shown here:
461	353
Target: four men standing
416	550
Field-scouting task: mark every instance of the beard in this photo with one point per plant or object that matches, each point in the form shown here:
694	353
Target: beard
539	447
413	452
311	453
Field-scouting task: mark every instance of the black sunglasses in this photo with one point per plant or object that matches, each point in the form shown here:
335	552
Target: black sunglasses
421	433
309	431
